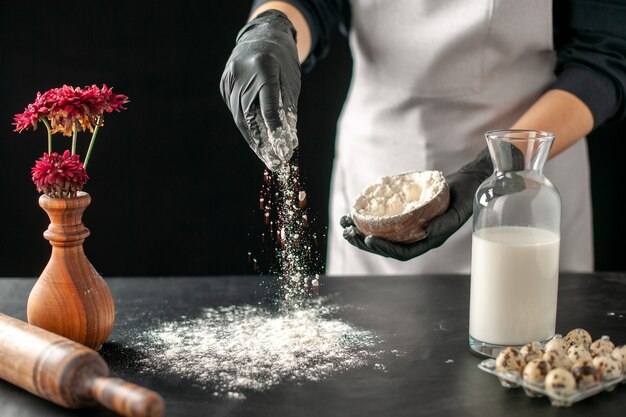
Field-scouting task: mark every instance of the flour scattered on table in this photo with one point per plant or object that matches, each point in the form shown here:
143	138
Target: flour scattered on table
237	349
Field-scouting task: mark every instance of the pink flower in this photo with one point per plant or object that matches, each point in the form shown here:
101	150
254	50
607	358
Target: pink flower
59	176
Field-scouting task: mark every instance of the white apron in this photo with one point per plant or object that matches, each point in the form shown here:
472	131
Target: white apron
430	77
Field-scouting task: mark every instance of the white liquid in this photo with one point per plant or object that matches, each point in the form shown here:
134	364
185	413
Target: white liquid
514	282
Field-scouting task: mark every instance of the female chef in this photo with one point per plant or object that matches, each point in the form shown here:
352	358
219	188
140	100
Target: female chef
429	78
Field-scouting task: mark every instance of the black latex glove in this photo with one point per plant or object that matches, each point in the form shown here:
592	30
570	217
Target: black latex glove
261	85
463	185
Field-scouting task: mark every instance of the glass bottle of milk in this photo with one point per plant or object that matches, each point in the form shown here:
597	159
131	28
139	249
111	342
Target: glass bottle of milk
515	245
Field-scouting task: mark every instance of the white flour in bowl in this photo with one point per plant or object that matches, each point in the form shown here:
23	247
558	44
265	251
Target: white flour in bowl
398	194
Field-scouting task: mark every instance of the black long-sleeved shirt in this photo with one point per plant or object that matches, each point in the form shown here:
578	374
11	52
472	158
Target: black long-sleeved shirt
589	38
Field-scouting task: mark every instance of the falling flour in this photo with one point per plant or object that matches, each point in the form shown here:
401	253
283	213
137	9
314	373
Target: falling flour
288	248
297	255
390	196
234	350
237	349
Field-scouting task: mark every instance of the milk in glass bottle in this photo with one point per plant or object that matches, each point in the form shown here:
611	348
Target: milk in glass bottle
515	245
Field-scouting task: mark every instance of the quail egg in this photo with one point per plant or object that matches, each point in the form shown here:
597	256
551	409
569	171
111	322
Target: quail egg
561	382
510	360
578	352
557	359
531	351
557	343
534	374
578	337
619	353
585	373
608	367
601	347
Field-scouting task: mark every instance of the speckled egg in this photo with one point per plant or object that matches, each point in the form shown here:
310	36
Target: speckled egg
557	359
510	359
578	353
557	343
560	381
619	353
578	337
601	347
609	367
585	373
531	351
535	373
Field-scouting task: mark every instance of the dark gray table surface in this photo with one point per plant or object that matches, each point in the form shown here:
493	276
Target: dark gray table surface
425	316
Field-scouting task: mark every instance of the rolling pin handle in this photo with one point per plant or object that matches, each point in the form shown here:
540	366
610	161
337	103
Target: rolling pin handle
127	399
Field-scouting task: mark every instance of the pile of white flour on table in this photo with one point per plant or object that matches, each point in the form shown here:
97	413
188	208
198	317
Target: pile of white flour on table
237	349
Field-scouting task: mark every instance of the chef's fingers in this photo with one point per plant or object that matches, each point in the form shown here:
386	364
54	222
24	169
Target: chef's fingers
271	105
445	224
255	133
383	247
231	95
252	122
242	125
291	83
258	139
462	189
346	221
292	120
356	238
269	157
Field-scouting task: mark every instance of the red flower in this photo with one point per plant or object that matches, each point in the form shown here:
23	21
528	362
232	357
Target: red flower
67	110
68	106
59	176
33	112
29	118
113	102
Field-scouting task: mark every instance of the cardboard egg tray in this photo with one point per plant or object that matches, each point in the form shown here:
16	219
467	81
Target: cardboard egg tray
562	399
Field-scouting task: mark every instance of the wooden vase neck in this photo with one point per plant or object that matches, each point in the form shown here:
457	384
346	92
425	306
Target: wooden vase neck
66	219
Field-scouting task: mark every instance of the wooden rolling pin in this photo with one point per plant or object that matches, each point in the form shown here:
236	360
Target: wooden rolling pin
67	373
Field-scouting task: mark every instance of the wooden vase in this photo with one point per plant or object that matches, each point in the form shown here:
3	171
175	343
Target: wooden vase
70	298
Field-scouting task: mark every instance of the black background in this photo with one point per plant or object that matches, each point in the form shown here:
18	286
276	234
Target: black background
174	186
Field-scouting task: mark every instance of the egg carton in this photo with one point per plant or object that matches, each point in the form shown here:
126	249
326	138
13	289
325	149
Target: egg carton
562	399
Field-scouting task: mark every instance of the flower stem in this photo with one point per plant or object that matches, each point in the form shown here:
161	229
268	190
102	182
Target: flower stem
93	140
74	135
48	128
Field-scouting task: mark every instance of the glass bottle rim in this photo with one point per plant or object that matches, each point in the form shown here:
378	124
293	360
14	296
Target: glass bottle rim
520	134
